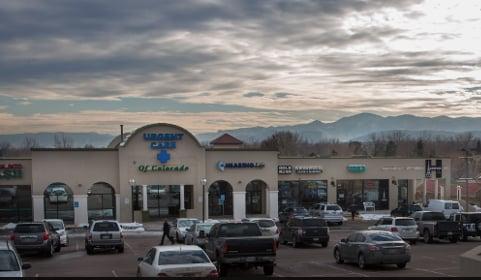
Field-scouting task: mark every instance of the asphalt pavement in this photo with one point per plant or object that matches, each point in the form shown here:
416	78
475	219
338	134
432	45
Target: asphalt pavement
432	260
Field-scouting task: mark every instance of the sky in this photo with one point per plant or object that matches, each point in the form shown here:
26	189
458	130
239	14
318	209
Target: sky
208	65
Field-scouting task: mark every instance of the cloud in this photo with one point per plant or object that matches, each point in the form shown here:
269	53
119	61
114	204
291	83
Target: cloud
253	94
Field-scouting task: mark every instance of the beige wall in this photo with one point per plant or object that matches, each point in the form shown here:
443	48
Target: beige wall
78	169
26	172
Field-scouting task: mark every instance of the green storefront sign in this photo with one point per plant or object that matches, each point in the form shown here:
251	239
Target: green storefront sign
356	168
10	171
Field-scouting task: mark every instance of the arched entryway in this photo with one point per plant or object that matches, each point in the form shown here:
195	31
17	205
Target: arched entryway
101	202
220	199
58	202
256	197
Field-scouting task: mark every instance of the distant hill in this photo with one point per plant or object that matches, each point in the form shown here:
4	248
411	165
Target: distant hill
360	126
46	139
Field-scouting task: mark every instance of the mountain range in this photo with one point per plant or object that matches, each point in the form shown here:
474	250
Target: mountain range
357	127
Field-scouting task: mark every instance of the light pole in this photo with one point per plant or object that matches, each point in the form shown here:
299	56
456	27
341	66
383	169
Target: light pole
466	158
203	181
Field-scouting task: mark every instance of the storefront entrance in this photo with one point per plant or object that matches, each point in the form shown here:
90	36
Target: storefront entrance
58	202
256	193
101	202
220	199
303	193
163	201
354	192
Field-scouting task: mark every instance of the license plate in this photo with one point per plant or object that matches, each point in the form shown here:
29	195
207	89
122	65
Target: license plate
250	259
106	236
450	233
393	251
315	239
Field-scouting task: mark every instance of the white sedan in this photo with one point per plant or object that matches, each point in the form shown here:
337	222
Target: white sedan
176	261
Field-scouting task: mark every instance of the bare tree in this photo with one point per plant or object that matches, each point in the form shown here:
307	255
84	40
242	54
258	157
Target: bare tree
286	142
62	141
5	148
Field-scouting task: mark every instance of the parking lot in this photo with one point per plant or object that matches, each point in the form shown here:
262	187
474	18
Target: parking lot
434	260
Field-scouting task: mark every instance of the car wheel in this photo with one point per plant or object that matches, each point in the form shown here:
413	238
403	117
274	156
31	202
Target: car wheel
340	223
268	269
401	265
222	269
295	244
453	239
427	236
50	250
90	250
463	237
58	247
361	261
324	244
337	256
138	274
413	242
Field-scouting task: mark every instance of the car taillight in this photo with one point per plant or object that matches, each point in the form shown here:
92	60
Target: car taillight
12	237
45	236
394	229
213	274
274	246
226	248
162	274
372	248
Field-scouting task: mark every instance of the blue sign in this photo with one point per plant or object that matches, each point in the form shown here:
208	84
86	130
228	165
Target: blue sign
163	156
163	142
236	165
76	204
356	168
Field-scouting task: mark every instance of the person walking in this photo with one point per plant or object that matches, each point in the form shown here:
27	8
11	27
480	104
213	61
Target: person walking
353	210
166	232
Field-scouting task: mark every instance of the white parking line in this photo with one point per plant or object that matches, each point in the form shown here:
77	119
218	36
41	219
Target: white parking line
130	247
114	273
435	272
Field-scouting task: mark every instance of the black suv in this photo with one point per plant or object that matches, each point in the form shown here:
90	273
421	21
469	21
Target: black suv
305	230
406	210
37	236
469	223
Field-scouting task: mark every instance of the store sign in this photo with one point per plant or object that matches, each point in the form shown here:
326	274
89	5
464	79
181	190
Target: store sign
356	168
284	169
437	168
221	165
401	168
163	142
159	168
308	169
11	171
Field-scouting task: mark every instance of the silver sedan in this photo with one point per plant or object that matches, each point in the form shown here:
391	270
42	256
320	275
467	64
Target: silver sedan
373	248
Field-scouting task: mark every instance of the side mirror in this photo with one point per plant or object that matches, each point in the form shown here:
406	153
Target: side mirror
26	266
139	259
201	234
343	240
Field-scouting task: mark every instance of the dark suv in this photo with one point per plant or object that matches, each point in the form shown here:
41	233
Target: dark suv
469	223
406	210
36	236
299	230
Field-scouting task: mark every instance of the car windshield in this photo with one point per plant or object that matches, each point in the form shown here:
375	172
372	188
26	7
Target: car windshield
28	228
204	227
183	257
233	230
185	223
450	205
56	225
313	222
333	207
265	223
405	222
434	216
415	208
8	262
300	211
384	236
106	226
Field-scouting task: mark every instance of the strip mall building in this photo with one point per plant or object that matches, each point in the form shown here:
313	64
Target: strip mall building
161	170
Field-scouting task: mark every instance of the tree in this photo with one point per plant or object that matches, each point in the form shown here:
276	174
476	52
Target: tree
286	142
356	147
391	149
419	151
377	145
62	141
5	147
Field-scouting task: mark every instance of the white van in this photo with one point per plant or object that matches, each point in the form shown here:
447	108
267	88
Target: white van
447	207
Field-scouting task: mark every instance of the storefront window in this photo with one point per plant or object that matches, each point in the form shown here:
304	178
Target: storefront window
58	202
256	197
303	193
101	202
15	204
220	199
354	192
163	200
403	188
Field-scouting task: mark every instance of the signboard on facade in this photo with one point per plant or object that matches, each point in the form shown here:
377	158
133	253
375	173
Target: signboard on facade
437	168
221	165
284	169
163	143
11	171
356	168
308	169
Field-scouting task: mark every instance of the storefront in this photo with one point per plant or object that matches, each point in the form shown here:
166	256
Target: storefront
161	171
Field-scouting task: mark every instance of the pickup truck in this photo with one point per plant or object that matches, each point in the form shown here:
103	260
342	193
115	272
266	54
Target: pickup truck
434	225
240	244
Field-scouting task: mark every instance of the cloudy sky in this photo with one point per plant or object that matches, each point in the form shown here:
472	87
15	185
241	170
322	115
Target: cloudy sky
217	64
